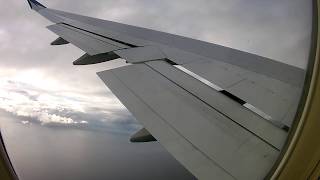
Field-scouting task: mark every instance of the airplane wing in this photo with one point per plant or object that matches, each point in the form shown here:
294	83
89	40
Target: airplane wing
221	112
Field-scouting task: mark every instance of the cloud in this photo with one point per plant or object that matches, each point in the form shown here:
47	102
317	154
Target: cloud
25	122
37	99
19	103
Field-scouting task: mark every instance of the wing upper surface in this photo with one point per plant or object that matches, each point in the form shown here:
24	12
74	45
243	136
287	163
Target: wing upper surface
223	142
197	51
277	99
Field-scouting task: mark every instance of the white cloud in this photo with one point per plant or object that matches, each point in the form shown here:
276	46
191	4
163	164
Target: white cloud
25	122
45	118
32	94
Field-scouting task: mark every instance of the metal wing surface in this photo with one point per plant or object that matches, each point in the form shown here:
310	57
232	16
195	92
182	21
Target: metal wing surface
221	112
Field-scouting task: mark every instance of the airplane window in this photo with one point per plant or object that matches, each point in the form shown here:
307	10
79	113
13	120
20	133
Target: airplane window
237	86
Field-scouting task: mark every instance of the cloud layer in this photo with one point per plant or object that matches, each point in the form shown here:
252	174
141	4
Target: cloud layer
42	100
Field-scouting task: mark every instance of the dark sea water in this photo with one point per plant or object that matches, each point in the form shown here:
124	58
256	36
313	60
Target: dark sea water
39	152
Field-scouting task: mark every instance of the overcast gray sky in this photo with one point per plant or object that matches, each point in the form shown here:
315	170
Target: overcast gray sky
40	87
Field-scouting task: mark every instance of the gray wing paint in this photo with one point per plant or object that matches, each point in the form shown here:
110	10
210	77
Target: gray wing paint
217	110
230	148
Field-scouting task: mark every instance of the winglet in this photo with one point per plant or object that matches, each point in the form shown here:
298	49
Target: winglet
35	5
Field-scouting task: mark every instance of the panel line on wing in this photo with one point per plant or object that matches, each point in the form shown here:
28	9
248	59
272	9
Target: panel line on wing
81	32
208	83
112	39
232	96
225	115
257	111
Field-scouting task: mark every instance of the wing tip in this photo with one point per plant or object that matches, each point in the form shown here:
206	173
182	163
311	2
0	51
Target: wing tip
35	5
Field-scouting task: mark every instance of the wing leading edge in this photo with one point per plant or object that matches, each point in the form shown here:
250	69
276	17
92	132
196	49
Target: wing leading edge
209	119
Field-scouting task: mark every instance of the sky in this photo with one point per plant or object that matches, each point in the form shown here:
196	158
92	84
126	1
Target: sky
42	95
